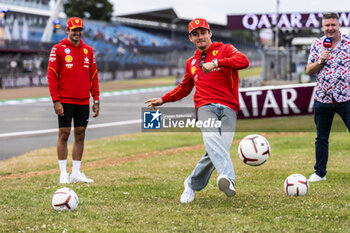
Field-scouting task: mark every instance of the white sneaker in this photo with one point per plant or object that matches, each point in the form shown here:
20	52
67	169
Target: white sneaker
188	195
80	177
64	178
314	178
226	185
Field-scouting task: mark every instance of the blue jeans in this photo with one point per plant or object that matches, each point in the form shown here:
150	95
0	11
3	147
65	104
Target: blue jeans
323	116
217	143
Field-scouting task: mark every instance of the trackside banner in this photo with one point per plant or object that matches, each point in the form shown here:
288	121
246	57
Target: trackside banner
257	102
276	101
292	20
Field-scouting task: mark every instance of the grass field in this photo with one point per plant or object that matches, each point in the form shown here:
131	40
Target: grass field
139	180
169	80
256	71
34	92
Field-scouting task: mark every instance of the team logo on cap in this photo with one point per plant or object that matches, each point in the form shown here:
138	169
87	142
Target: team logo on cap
215	52
77	20
196	22
86	51
68	58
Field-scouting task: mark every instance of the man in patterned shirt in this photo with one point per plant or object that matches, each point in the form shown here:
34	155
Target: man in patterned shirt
332	95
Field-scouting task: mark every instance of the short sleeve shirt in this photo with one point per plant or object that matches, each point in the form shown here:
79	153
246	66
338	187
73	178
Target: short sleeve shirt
333	80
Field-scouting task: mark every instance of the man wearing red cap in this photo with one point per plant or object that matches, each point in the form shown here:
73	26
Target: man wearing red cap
213	70
72	78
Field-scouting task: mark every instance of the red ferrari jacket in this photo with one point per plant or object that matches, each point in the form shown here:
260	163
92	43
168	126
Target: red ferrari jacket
218	86
72	73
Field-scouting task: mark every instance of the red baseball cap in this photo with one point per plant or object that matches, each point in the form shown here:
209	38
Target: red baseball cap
74	23
197	23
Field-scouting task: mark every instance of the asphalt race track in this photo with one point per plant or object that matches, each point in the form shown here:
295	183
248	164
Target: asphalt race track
33	125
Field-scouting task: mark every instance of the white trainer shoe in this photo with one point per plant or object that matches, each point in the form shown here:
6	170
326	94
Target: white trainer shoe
64	178
80	177
314	178
226	185
188	195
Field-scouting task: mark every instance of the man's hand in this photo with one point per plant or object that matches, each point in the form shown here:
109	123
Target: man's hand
314	68
96	109
152	103
208	67
324	56
58	108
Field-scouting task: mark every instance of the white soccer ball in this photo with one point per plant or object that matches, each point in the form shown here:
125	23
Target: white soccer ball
296	185
254	150
65	199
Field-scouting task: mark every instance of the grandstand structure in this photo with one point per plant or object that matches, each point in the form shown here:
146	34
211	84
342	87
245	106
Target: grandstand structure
133	46
34	12
21	54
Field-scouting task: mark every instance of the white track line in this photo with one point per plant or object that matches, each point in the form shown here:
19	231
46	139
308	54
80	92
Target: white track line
45	131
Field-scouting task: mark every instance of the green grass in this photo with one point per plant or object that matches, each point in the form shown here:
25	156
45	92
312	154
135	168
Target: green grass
159	81
255	71
169	80
142	195
39	92
287	124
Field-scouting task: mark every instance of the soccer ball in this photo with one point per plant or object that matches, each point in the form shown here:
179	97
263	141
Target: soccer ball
65	199
296	185
254	150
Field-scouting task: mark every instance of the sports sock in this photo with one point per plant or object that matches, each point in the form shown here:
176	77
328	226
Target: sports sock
76	166
63	166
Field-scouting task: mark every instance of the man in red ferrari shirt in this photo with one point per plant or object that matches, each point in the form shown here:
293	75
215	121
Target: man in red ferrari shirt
213	70
72	78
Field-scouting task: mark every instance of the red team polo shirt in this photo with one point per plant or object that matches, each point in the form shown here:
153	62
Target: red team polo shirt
72	73
218	86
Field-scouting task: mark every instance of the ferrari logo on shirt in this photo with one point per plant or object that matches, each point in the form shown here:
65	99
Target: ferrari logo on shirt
86	51
215	52
68	58
193	69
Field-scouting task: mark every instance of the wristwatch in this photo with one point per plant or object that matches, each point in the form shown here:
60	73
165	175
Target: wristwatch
96	102
320	62
215	62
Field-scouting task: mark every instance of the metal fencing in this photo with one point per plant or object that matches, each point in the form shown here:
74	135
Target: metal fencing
286	64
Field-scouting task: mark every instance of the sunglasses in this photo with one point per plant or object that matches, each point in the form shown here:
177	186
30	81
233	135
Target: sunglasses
201	61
